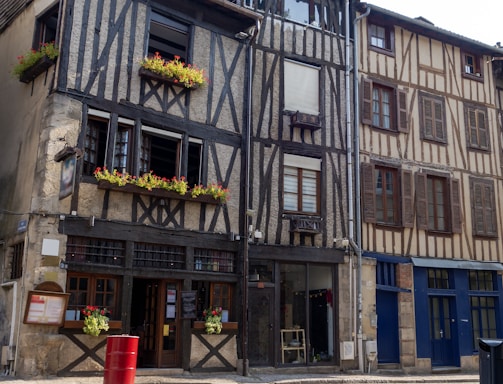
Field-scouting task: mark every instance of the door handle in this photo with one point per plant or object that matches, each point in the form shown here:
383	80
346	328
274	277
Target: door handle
441	333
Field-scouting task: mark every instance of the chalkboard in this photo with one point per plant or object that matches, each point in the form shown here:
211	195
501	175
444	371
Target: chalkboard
189	304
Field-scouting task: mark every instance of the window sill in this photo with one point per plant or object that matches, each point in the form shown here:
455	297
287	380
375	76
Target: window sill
146	74
156	192
474	77
225	325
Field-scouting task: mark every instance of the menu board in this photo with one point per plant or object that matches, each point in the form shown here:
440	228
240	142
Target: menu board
44	307
189	304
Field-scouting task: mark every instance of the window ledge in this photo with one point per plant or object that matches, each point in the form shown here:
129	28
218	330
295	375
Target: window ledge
147	74
76	324
36	69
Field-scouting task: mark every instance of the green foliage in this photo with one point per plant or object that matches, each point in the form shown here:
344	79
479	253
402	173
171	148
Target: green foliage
30	58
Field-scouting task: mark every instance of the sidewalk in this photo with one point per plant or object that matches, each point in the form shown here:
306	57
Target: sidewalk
262	378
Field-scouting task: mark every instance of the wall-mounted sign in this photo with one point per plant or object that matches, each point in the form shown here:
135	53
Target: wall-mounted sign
67	180
43	307
189	304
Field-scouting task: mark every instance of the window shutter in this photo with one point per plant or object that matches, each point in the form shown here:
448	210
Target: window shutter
483	138
472	130
427	118
490	211
368	192
402	111
456	207
421	201
366	112
439	121
407	200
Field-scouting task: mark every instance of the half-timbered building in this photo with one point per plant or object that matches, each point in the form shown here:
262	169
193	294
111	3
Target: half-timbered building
429	134
261	145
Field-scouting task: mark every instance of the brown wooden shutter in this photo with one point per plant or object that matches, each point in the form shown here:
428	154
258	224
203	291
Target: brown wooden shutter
407	200
483	134
421	201
456	207
427	117
366	113
403	125
439	121
368	193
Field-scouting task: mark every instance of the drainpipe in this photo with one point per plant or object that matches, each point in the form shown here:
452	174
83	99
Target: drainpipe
357	244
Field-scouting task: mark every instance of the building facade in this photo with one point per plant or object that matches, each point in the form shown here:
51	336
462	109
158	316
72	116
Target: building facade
261	146
430	156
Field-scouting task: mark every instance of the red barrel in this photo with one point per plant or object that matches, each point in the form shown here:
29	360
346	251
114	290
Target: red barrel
120	359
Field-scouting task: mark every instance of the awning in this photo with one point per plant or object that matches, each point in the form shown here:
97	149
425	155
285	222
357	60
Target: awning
456	264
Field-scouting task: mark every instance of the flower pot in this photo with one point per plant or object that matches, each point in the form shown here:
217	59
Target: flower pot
147	74
36	69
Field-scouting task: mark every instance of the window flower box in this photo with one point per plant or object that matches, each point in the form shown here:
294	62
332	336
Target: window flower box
147	74
79	324
35	62
42	65
156	192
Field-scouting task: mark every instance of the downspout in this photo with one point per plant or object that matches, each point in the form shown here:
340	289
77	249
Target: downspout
357	244
247	199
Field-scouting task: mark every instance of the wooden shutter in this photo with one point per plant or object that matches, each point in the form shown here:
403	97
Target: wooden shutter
401	103
456	207
368	193
366	113
427	118
407	200
472	128
483	134
439	121
477	208
421	201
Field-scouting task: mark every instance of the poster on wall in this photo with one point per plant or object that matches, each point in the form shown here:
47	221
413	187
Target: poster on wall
67	180
189	304
46	308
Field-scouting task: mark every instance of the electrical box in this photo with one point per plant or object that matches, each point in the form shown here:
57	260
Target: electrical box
347	350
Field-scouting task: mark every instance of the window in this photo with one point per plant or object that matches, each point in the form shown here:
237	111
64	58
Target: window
302	84
301	184
386	274
17	260
89	250
46	27
383	106
438	278
476	127
168	37
95	145
221	295
471	65
483	207
438	206
87	289
214	260
381	37
163	153
483	306
387	195
432	114
158	256
309	12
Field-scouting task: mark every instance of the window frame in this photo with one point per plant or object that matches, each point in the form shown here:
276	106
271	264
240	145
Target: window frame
473	115
472	70
46	27
299	164
388	38
162	32
452	203
484	220
307	85
434	101
403	182
398	108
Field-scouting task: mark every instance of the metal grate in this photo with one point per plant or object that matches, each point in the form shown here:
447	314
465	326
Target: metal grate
214	260
94	251
158	256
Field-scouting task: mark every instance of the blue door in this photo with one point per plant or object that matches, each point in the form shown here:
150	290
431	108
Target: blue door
387	327
442	335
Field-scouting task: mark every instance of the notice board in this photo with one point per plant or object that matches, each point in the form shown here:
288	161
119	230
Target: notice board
44	307
189	304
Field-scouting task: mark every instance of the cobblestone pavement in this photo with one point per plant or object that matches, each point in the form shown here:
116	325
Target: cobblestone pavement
260	378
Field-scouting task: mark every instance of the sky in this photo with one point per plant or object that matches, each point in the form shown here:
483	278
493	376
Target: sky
480	20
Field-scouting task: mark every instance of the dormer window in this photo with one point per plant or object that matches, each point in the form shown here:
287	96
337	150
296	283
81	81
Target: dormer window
381	37
471	65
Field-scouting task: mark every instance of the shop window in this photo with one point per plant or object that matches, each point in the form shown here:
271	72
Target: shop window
381	37
17	260
384	106
477	131
481	280
159	256
438	204
46	27
167	36
387	195
302	87
221	296
214	260
301	184
483	306
432	117
472	65
483	207
90	250
91	289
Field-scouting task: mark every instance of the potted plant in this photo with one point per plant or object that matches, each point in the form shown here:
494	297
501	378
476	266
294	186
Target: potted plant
213	320
175	71
95	320
34	62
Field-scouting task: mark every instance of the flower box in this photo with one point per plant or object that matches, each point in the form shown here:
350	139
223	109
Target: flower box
147	74
36	69
76	324
156	192
231	325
